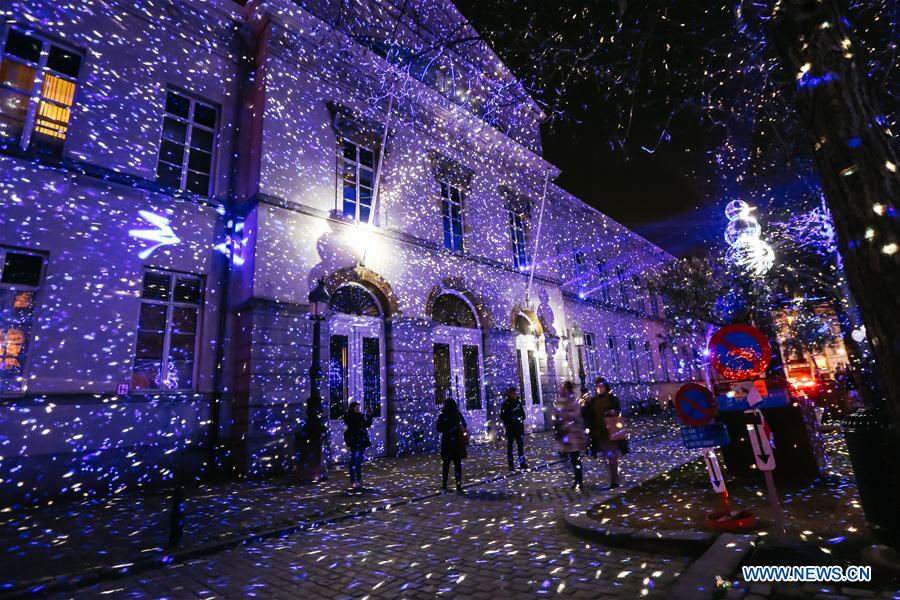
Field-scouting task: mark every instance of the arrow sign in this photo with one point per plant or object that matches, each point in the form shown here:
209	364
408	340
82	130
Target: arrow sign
759	440
715	472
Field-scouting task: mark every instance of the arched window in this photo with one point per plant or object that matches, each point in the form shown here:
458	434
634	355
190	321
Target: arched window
452	310
353	299
523	325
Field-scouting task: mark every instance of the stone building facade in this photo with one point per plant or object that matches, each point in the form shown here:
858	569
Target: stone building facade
176	176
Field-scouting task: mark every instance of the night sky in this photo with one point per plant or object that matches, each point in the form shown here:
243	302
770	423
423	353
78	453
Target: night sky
661	195
669	192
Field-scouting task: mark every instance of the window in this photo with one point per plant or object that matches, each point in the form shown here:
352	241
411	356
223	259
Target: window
534	377
623	292
338	380
517	220
664	361
451	215
358	180
186	148
20	278
579	263
471	377
37	91
613	347
604	284
167	331
591	360
648	357
638	298
371	375
451	310
442	390
633	360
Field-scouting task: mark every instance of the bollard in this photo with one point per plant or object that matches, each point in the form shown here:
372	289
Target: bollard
176	521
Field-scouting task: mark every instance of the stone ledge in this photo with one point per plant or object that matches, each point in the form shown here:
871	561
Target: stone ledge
691	543
721	559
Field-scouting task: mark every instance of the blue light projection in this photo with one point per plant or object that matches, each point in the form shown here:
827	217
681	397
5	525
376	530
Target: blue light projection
163	235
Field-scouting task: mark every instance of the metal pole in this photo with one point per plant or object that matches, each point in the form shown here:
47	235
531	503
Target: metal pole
776	507
387	125
311	467
537	240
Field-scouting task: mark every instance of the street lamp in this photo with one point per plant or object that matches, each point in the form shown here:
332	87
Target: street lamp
578	340
311	437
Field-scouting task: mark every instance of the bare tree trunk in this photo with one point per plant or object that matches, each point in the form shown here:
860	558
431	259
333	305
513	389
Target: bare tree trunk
857	164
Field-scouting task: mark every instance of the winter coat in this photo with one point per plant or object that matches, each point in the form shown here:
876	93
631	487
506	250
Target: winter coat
595	412
568	424
512	413
356	435
451	425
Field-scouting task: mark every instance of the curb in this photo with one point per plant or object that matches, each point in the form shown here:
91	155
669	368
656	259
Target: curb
722	559
95	575
691	543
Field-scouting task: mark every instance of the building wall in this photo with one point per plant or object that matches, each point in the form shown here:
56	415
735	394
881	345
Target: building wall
289	88
68	430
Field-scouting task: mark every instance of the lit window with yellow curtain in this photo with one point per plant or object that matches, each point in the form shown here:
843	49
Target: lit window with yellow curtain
54	108
33	68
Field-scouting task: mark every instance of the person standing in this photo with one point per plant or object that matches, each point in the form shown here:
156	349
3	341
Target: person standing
568	429
512	413
454	441
603	403
356	436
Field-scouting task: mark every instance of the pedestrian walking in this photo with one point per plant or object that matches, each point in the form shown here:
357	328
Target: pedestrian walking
356	436
454	442
568	428
601	405
512	413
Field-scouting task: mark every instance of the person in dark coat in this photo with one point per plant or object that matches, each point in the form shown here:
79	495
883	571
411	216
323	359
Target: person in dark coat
603	403
512	413
356	436
454	439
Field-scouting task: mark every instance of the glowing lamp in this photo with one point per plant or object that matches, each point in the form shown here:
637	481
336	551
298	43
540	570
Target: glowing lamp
318	300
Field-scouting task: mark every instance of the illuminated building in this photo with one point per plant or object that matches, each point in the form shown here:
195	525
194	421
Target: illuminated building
177	174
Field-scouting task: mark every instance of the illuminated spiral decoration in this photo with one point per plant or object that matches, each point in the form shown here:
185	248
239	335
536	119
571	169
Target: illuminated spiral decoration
747	250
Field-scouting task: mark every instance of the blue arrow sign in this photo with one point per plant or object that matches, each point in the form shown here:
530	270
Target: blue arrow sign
705	436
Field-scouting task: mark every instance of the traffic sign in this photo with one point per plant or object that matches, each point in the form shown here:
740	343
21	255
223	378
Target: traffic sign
714	471
705	436
739	352
739	397
694	405
759	440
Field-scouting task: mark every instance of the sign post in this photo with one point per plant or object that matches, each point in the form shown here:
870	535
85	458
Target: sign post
765	461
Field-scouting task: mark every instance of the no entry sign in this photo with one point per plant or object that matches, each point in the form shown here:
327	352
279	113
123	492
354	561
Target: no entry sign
739	352
694	405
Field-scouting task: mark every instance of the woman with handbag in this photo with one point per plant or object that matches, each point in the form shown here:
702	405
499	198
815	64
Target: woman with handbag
602	414
454	441
568	429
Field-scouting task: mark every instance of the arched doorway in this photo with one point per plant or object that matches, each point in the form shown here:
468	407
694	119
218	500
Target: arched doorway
528	365
458	366
356	366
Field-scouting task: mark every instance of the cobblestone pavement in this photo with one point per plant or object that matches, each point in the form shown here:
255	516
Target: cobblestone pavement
74	537
502	539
